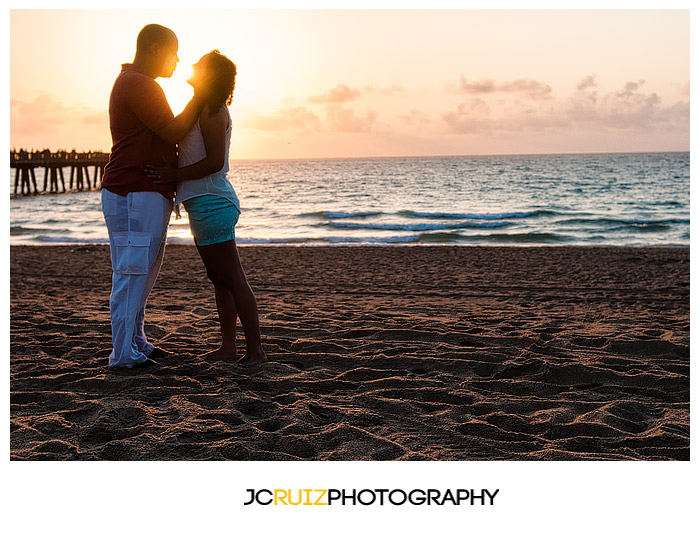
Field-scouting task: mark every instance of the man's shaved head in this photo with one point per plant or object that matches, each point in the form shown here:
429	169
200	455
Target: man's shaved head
154	34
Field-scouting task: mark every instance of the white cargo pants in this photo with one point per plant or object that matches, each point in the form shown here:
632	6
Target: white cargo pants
137	226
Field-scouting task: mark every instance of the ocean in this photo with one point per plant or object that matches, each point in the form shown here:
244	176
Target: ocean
639	199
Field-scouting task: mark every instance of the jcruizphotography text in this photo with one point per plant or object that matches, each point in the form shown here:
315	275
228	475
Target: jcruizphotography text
367	497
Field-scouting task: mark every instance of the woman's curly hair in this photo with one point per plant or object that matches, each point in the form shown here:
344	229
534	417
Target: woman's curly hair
220	80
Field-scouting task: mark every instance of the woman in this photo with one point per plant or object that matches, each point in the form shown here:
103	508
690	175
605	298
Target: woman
213	207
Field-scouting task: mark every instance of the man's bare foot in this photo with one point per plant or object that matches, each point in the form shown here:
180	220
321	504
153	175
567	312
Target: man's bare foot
252	359
221	354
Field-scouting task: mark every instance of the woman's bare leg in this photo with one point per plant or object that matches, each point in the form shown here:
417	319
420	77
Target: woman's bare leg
224	269
226	307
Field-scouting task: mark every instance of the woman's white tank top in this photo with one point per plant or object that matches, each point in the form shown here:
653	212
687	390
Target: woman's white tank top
192	150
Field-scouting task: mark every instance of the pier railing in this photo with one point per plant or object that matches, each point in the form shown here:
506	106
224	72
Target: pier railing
25	164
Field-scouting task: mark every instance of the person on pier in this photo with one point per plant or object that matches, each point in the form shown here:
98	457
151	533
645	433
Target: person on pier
136	208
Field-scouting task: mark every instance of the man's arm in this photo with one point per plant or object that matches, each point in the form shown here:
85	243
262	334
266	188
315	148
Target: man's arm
174	131
214	135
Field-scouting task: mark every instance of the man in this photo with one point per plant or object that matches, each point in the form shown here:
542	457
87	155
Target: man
136	209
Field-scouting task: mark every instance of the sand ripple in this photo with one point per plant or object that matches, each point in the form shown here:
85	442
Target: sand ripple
378	354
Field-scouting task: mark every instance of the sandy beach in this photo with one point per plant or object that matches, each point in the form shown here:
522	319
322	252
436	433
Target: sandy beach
398	353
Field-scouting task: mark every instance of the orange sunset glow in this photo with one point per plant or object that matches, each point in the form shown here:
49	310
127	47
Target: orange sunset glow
376	83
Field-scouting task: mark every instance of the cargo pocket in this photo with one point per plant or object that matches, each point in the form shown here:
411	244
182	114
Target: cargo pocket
132	253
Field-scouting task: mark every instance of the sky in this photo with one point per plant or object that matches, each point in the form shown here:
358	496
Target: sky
354	83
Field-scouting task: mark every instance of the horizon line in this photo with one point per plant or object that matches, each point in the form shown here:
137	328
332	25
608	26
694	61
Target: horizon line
582	153
459	155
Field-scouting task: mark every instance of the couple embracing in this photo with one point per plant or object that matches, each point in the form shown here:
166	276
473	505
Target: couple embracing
159	160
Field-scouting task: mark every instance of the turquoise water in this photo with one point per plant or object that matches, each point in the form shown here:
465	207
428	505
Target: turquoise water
597	199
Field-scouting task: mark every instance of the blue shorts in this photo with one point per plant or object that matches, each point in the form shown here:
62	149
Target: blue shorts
212	219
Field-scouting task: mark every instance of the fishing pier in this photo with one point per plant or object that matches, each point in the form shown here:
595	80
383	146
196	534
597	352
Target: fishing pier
26	163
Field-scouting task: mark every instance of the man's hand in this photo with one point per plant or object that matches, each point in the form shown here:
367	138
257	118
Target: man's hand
162	175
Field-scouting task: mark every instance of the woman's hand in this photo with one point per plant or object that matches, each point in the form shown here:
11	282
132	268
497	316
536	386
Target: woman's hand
162	175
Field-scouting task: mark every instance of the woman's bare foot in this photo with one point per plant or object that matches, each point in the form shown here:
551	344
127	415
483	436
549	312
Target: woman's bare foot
252	358
222	354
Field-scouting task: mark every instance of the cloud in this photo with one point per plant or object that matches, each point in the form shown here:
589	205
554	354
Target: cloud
95	118
387	91
628	110
587	83
343	93
527	86
289	118
586	92
415	117
340	93
470	117
630	89
337	119
334	117
685	90
344	120
43	115
45	122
